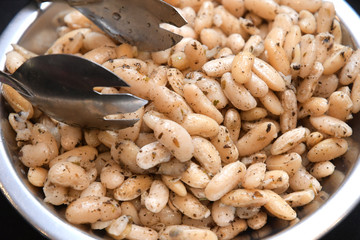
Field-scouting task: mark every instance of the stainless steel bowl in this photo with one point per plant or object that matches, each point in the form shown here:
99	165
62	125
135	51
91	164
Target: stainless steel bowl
32	26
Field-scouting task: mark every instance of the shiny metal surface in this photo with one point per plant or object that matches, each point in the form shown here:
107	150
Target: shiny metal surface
65	91
134	21
344	194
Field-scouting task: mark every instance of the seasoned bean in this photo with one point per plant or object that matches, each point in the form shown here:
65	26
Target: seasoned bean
256	86
257	221
351	69
325	17
94	189
55	194
235	42
222	214
225	145
173	168
322	169
241	67
199	124
269	75
327	149
16	101
254	45
290	162
303	180
288	118
125	152
276	179
195	53
174	137
91	209
211	38
151	155
186	232
299	198
327	84
337	60
237	94
232	122
37	176
247	212
204	17
71	42
190	206
195	177
212	89
229	232
307	22
324	42
68	174
133	63
340	105
272	103
227	22
132	187
277	206
310	5
288	140
331	126
70	136
84	156
264	8
256	139
175	185
217	67
245	198
206	154
314	106
200	103
111	175
308	85
276	56
235	7
224	181
308	54
254	176
158	196
170	103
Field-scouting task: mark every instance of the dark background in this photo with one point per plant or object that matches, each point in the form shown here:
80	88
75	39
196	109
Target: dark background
13	226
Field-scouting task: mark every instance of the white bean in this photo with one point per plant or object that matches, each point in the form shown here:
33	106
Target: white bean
92	209
223	182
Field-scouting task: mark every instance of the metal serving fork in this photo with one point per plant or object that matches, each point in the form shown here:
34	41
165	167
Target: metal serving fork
133	21
62	86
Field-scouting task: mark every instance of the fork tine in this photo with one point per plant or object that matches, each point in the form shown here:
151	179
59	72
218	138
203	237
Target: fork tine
165	12
111	124
96	75
160	41
134	21
119	103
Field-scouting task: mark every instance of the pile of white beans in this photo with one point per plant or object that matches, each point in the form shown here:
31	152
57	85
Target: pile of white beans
245	116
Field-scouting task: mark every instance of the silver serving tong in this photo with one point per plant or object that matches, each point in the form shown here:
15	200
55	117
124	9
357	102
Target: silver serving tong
62	86
135	22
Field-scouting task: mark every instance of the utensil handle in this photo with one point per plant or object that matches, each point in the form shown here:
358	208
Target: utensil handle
9	80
